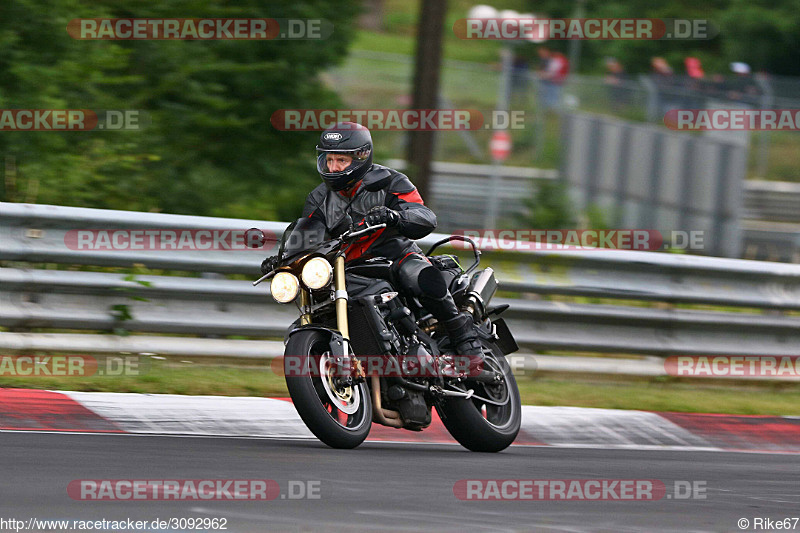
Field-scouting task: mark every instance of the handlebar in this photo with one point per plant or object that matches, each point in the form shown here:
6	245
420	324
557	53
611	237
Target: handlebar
265	277
350	234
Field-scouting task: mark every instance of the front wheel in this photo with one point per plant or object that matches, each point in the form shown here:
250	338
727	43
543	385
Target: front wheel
339	415
488	421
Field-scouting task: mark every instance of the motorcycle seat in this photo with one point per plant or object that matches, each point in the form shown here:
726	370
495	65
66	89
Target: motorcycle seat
372	268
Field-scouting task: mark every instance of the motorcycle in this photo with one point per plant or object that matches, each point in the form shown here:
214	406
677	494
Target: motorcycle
351	317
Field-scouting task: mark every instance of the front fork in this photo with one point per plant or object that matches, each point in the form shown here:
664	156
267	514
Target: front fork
342	324
305	306
340	296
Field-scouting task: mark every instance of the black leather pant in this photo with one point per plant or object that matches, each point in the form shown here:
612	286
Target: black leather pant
416	276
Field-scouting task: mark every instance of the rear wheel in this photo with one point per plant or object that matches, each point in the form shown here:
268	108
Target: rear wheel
490	420
340	415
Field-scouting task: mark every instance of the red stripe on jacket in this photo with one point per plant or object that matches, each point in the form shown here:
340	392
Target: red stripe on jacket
356	249
412	196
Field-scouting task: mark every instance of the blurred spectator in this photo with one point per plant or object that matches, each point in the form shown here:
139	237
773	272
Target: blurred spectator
666	86
743	87
693	68
660	67
740	68
695	86
552	75
615	80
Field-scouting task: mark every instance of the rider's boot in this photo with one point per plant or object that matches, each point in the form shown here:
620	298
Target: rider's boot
465	340
461	331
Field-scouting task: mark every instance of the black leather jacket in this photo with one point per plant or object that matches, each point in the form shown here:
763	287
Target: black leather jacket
380	186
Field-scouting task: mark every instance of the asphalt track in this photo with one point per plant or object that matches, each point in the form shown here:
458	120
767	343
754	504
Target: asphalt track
390	486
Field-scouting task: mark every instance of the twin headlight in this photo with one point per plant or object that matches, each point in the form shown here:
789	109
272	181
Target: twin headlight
284	287
316	274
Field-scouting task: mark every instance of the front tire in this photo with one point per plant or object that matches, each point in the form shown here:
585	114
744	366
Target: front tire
479	425
341	417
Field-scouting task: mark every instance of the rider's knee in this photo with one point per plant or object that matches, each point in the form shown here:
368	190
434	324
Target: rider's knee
431	282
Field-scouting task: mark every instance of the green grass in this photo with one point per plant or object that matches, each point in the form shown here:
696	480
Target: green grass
201	376
227	377
783	161
383	42
399	35
661	394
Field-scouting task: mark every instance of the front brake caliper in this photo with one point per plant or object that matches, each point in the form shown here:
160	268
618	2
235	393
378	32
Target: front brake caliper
358	371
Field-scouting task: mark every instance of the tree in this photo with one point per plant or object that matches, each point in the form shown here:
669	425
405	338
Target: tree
765	34
209	148
427	66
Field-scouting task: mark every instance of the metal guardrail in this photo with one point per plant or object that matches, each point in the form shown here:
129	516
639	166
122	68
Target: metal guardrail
776	201
623	320
459	190
771	241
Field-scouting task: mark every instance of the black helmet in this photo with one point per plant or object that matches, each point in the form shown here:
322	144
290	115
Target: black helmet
350	139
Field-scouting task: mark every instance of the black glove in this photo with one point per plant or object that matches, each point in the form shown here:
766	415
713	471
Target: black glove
380	214
269	264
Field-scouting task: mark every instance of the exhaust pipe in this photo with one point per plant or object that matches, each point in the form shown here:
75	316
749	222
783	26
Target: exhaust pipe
387	417
482	288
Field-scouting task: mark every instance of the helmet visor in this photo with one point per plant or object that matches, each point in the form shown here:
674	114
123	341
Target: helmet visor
329	166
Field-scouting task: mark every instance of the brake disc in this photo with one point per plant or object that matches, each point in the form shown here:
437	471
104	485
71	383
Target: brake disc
345	399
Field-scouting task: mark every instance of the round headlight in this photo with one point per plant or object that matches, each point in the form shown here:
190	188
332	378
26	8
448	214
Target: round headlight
284	287
317	273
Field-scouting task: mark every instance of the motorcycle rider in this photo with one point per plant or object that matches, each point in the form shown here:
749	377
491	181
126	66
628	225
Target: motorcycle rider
374	194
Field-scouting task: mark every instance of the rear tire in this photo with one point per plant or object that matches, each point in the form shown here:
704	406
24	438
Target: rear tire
478	425
314	402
